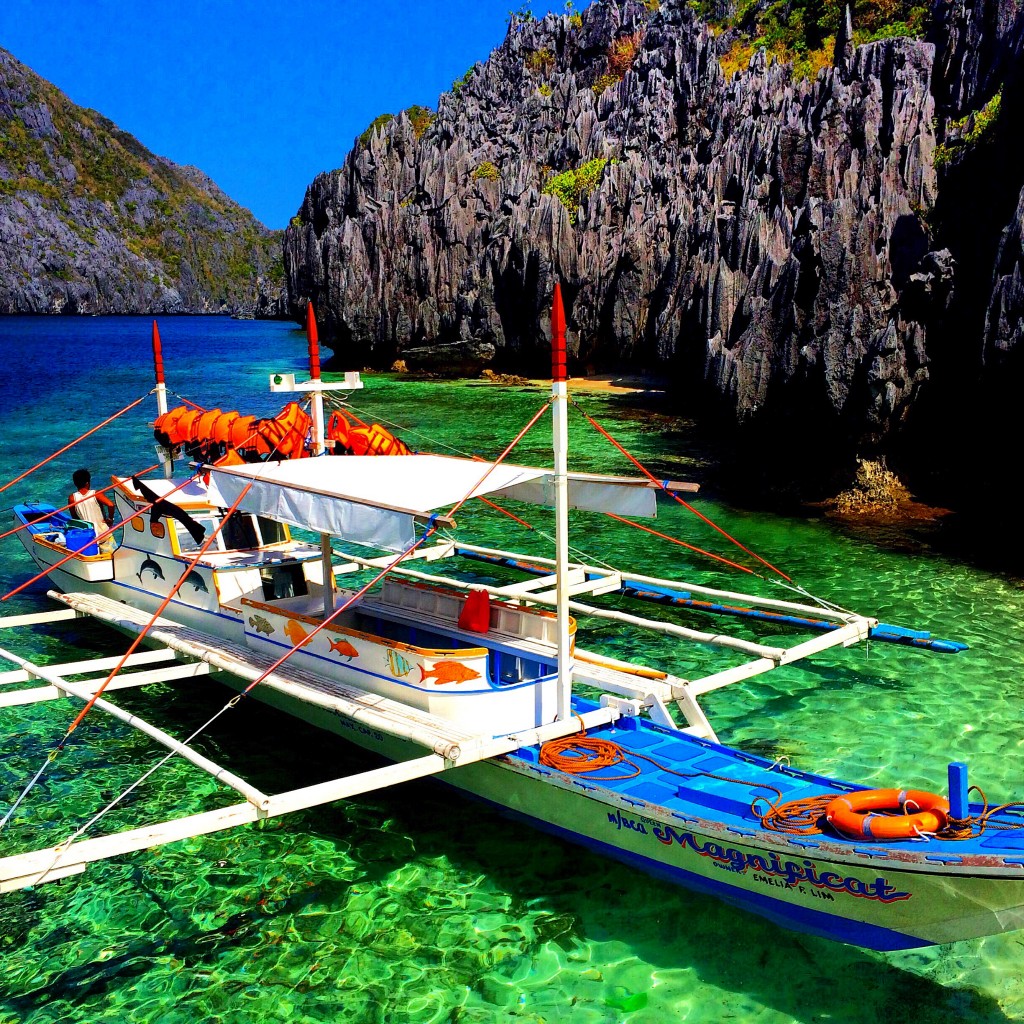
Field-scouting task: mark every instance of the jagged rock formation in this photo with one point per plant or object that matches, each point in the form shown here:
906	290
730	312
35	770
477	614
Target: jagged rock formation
774	242
92	222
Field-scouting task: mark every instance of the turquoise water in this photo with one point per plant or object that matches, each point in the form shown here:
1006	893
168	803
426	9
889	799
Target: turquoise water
414	905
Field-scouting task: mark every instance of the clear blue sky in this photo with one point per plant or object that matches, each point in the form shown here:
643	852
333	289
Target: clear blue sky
262	95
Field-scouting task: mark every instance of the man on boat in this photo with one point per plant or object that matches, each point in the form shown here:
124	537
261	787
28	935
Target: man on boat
85	504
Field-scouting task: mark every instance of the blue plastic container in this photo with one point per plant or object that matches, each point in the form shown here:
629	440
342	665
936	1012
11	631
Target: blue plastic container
82	539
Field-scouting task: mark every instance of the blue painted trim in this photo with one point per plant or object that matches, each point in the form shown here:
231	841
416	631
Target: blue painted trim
174	601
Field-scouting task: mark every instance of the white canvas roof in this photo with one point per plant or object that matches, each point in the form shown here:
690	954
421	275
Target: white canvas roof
376	500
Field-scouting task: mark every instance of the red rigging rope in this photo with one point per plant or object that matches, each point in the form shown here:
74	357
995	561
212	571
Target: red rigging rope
52	756
61	451
64	508
681	543
188	401
628	522
505	511
650	476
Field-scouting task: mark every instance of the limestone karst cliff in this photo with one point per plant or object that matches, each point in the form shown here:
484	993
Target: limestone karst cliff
92	222
795	251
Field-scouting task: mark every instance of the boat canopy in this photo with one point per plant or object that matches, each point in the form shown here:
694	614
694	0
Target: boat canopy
377	501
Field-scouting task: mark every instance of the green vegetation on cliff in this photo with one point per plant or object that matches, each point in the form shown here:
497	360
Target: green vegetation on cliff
803	32
96	221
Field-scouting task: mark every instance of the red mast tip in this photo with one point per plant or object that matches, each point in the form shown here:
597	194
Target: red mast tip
158	355
314	342
558	368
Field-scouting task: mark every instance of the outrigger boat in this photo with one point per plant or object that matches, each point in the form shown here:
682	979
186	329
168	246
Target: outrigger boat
484	686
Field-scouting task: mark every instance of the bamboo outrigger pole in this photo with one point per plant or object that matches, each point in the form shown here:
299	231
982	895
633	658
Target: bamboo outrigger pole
560	441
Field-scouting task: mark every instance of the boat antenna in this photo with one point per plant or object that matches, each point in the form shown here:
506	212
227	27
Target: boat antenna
560	444
161	388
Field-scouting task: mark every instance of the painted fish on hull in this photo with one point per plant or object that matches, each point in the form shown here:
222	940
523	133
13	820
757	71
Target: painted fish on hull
260	624
448	672
152	566
344	648
296	634
397	665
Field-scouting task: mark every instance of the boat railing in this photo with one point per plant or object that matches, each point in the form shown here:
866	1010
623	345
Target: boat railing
442	603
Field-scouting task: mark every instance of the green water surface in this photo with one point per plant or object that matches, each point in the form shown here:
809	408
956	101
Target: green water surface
414	904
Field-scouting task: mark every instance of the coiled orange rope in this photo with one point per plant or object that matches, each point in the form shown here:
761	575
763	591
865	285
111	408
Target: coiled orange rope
577	755
805	817
581	754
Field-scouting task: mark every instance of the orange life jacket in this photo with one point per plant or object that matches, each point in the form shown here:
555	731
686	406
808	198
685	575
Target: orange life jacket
361	439
284	435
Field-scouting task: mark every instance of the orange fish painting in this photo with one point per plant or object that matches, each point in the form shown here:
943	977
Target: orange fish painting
344	648
296	633
448	672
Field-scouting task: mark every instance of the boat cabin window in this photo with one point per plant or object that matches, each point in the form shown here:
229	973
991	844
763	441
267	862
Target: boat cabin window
271	531
239	533
242	532
281	581
187	543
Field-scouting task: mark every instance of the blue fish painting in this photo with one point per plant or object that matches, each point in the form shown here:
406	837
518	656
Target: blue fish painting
196	580
397	665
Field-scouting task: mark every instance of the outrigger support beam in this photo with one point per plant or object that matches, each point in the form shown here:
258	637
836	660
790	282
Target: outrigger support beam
86	693
26	869
37	618
12	694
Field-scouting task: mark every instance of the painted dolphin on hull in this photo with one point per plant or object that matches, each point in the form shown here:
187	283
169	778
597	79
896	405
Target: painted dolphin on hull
152	566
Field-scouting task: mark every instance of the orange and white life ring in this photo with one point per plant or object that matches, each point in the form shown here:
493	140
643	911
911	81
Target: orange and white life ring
855	814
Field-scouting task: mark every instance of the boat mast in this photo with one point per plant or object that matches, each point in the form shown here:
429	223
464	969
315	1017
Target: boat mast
316	407
161	389
560	442
316	395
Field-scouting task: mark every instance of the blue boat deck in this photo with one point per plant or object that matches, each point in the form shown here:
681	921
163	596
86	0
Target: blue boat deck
696	778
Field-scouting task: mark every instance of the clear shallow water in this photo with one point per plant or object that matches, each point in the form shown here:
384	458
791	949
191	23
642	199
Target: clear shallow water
415	905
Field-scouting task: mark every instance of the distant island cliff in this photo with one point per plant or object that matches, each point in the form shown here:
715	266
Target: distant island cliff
92	222
819	237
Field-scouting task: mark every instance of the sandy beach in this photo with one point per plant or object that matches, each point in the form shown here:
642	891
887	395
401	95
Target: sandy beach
611	384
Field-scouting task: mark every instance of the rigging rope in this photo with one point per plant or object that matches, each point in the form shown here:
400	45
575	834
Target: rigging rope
663	485
64	508
71	444
431	528
52	756
99	537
